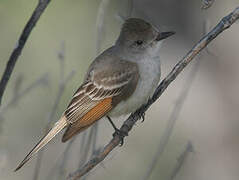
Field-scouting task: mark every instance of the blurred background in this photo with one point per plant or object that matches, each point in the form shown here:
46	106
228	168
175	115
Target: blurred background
204	98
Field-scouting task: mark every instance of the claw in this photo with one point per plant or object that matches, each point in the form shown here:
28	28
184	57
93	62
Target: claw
118	132
142	115
121	135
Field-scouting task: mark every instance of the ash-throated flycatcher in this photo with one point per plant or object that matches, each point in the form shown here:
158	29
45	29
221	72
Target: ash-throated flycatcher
118	81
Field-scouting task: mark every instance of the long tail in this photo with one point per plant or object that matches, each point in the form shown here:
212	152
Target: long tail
59	125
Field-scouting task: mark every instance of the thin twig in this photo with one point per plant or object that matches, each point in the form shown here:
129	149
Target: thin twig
38	165
42	4
224	24
130	8
129	13
207	3
206	27
176	111
62	84
100	21
82	149
172	120
60	166
63	163
102	10
19	94
43	80
94	138
86	149
17	87
181	160
91	146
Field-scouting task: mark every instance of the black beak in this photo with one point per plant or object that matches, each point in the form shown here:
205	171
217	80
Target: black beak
164	35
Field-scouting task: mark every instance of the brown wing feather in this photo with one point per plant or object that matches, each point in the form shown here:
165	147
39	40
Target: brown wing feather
88	119
103	88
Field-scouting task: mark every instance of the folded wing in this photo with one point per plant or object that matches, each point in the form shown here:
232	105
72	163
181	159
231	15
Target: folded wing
101	92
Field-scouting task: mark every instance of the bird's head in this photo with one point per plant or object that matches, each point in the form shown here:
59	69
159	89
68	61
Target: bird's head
139	36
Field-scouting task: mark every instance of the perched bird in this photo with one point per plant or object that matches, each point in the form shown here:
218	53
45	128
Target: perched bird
118	81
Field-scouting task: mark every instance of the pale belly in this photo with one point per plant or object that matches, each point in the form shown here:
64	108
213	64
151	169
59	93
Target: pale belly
149	79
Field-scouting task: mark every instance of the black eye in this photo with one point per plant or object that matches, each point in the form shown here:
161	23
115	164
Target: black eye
139	42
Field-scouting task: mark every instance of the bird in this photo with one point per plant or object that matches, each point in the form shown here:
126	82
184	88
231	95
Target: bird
118	82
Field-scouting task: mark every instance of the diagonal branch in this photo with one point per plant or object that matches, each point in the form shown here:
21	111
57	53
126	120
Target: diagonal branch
172	121
181	160
224	24
175	113
207	4
42	4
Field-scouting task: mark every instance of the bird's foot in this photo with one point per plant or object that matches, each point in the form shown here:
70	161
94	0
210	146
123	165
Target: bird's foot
142	116
121	135
118	132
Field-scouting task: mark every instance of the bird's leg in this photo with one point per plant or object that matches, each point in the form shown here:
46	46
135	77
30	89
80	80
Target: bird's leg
118	132
111	122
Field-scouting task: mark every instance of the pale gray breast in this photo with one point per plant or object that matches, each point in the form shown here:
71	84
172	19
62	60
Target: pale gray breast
149	70
149	77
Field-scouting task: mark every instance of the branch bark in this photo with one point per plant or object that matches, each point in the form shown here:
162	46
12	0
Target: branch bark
224	24
207	3
176	111
172	121
42	4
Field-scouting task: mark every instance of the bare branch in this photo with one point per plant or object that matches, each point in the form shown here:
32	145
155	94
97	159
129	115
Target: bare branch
176	111
86	149
100	23
17	87
181	160
172	120
63	163
224	24
59	169
38	165
89	149
83	149
129	13
130	8
207	3
42	4
102	10
18	93
62	84
94	138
